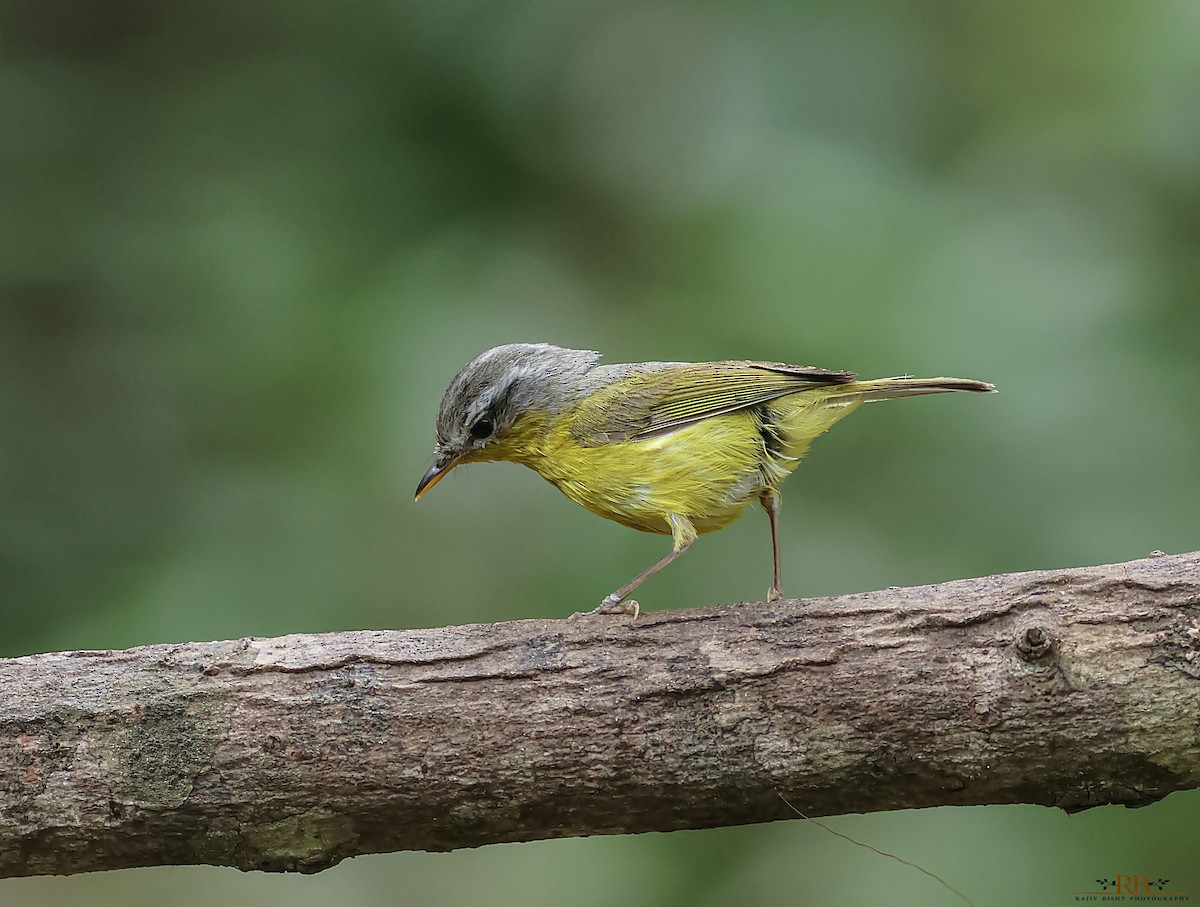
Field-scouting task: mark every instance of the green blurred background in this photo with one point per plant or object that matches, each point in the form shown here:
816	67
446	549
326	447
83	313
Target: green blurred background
245	245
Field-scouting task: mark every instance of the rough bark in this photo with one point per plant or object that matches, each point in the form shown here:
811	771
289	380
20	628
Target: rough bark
1068	688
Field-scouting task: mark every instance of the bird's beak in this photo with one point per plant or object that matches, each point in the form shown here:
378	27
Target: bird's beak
443	465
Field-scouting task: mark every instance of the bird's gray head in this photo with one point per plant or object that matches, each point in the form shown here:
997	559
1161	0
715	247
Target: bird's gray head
491	393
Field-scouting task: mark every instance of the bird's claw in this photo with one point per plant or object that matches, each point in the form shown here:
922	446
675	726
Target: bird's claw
618	606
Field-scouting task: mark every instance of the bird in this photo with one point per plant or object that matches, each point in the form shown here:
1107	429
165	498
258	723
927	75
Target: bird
675	448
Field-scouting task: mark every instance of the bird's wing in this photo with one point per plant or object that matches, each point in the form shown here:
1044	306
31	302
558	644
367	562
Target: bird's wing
647	402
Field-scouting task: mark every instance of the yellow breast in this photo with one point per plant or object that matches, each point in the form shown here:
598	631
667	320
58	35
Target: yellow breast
707	472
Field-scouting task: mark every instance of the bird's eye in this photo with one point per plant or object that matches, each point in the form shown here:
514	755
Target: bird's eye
482	429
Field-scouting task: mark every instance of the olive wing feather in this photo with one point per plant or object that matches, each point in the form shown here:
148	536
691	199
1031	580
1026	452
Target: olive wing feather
654	400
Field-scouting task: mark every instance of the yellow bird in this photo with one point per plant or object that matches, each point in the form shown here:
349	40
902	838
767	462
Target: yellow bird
676	448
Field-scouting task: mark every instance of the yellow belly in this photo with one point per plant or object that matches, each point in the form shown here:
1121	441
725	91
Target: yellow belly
708	472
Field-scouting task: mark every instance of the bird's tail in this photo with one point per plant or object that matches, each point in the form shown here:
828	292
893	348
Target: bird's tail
799	418
904	386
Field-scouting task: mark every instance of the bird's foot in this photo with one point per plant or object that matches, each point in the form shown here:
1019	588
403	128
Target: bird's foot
774	594
612	605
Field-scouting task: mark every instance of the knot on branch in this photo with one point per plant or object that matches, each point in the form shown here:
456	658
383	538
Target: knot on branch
1034	643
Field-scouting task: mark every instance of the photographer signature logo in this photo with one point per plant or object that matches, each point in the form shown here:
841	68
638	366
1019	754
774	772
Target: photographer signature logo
1130	888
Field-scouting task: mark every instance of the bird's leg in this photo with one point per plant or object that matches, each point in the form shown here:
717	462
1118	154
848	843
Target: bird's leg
683	533
771	502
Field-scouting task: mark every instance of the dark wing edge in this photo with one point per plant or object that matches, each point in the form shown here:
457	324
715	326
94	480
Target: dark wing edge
640	406
821	376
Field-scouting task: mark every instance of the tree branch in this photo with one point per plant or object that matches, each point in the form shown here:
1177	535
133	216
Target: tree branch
1068	688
